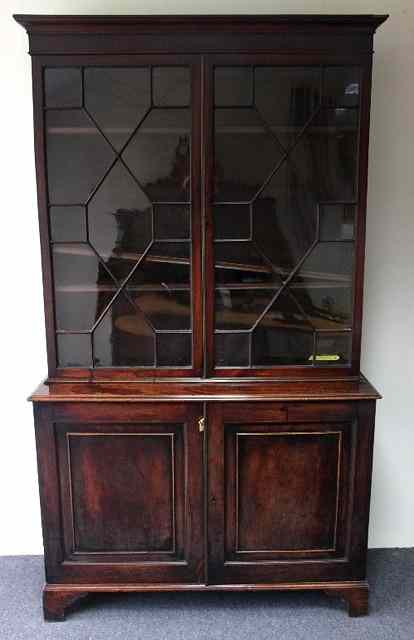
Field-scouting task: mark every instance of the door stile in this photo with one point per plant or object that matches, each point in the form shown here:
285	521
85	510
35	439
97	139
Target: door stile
196	217
208	191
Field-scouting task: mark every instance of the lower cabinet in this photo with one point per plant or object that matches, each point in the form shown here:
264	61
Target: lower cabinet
122	493
142	496
288	492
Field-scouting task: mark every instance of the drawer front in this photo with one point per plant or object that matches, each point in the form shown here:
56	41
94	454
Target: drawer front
286	497
121	483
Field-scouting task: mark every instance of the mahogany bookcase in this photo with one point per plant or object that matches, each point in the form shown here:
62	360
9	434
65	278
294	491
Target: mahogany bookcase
202	187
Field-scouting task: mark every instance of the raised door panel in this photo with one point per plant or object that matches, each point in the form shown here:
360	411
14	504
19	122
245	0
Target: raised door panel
281	492
123	491
285	491
130	494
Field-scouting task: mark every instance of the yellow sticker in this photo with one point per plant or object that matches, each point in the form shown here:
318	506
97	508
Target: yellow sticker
326	357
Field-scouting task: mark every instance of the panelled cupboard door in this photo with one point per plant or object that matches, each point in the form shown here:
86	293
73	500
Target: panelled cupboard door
285	499
130	488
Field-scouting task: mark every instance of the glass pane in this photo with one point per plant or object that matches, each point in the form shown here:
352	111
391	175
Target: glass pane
171	221
159	155
77	156
123	338
281	347
231	349
231	221
171	86
67	224
285	217
174	349
63	87
165	310
327	306
241	262
120	221
74	350
287	96
245	154
284	313
233	86
117	98
326	155
238	308
166	265
328	262
83	287
341	86
333	349
336	222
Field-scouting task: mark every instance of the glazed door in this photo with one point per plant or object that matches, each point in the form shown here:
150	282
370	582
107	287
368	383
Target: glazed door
283	492
122	173
282	202
129	483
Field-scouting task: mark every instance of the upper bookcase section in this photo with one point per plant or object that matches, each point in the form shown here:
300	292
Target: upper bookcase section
77	34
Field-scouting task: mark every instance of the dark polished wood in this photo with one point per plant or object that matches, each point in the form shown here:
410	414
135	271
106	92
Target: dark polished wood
203	475
262	464
121	505
59	600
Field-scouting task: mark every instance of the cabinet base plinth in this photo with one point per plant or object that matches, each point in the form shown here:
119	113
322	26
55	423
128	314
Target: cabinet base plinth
355	597
57	599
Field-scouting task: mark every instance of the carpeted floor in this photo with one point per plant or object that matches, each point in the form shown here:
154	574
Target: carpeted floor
212	616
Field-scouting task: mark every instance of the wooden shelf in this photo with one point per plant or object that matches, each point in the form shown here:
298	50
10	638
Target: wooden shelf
79	250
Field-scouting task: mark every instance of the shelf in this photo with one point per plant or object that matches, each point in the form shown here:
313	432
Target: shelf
233	266
271	321
102	288
69	131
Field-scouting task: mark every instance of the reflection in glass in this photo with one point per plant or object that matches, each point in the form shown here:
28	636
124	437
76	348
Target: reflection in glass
166	309
233	86
63	87
328	262
171	86
281	347
284	312
245	154
120	221
231	221
336	222
117	98
238	308
241	262
159	155
287	96
327	305
82	287
171	221
231	349
67	224
341	86
166	265
173	349
285	217
123	338
77	156
74	350
326	155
